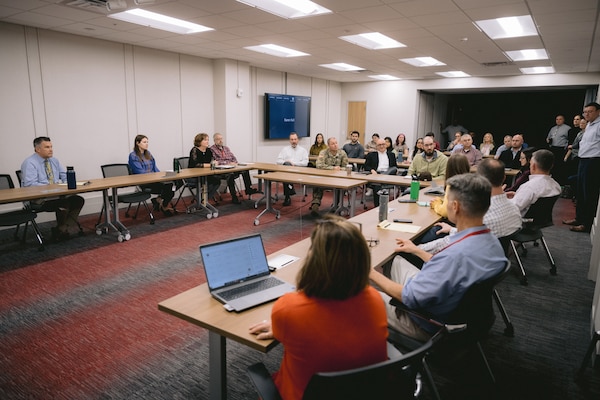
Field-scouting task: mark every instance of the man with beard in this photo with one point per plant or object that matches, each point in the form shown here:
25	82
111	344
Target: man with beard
430	162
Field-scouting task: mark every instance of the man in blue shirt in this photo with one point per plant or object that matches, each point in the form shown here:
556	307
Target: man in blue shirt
473	255
41	168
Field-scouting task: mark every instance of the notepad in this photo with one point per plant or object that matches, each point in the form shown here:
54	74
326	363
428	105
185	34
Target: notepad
392	226
281	260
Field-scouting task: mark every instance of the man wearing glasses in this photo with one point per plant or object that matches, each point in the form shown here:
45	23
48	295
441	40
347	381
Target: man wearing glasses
380	162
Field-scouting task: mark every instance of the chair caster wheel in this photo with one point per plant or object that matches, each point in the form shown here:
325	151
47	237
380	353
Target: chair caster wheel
209	216
256	222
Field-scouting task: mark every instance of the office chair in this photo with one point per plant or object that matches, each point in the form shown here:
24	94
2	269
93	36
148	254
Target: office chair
189	184
138	197
396	378
17	218
538	216
475	312
37	208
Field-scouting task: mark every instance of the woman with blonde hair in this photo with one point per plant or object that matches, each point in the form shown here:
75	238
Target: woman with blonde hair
487	146
336	320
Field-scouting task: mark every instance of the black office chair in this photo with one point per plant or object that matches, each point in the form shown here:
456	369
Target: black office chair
538	216
17	218
395	378
188	184
475	311
37	208
138	197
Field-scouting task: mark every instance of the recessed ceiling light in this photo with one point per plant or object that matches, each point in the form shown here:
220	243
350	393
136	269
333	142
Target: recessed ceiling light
384	77
159	21
276	50
342	67
508	27
373	41
422	61
453	74
527	54
538	70
288	8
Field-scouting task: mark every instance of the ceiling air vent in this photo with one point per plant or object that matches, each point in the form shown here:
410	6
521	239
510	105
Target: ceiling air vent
90	5
498	64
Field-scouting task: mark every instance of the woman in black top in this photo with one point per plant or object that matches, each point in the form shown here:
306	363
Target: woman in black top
201	157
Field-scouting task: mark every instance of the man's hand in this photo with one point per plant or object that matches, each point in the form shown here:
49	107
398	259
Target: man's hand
262	330
337	168
445	228
405	246
373	172
510	195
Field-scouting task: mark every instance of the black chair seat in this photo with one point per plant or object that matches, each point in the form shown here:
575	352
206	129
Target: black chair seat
527	235
136	197
18	217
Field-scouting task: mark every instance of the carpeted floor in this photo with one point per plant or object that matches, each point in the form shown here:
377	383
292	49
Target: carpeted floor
80	320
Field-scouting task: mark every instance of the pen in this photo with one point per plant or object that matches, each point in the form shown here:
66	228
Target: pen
286	263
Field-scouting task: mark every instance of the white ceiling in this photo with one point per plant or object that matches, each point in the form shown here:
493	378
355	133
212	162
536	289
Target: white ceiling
442	29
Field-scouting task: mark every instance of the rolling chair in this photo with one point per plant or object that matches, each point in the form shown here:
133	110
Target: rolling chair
538	216
138	197
396	378
17	218
475	312
37	208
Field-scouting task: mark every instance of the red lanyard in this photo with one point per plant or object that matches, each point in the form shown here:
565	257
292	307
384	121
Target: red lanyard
479	232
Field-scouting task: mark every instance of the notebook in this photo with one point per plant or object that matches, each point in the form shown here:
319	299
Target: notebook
224	166
238	274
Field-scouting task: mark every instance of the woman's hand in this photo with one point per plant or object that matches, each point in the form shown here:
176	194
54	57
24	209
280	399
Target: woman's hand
262	330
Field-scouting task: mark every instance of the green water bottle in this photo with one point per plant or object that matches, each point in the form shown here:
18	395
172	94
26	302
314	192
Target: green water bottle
415	186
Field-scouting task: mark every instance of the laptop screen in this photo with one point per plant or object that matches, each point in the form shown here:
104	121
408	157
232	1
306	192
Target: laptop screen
234	261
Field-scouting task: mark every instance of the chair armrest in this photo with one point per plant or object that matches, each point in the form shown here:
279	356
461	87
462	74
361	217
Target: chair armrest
261	378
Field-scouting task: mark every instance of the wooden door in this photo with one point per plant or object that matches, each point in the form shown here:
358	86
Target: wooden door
357	119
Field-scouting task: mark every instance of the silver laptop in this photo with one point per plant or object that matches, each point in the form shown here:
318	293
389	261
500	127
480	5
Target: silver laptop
238	274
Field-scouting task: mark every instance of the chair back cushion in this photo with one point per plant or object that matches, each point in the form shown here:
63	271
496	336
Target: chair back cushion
6	182
541	212
110	170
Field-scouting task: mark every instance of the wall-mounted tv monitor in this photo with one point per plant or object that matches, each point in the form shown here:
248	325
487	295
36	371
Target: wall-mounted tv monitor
286	113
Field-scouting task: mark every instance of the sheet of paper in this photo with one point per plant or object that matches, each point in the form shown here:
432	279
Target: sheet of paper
400	227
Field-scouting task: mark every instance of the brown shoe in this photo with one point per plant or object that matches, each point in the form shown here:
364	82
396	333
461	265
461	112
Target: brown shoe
578	228
570	222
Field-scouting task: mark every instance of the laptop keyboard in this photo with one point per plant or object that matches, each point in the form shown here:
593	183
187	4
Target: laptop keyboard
249	288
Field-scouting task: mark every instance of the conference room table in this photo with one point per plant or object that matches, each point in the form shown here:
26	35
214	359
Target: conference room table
339	185
112	184
198	307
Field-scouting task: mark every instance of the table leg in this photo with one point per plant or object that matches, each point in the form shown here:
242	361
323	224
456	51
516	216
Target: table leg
112	221
268	204
202	199
217	380
352	201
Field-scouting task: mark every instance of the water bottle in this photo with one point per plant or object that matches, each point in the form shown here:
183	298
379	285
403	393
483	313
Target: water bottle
176	165
71	179
415	186
384	199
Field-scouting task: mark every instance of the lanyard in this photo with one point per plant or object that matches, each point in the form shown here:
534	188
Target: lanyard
479	232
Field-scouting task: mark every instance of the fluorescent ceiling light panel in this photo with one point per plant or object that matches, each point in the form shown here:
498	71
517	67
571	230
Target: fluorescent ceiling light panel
508	27
384	77
275	50
538	70
453	74
159	21
288	8
527	55
342	67
422	61
373	41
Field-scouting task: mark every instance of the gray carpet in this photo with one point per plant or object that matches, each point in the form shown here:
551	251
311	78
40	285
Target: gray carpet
75	329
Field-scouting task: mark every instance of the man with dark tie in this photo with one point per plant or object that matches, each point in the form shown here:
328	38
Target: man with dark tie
41	168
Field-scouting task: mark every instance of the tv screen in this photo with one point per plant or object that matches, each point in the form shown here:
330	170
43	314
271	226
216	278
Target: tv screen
285	113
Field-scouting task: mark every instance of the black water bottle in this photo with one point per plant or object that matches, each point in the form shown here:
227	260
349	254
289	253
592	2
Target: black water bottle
176	165
71	179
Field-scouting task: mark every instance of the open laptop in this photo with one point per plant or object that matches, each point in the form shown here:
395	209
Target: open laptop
238	274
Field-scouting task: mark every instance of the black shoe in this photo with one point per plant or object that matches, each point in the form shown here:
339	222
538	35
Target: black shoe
287	201
251	191
292	192
235	200
314	210
58	235
155	204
